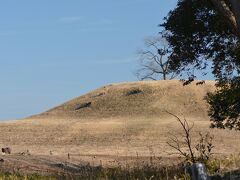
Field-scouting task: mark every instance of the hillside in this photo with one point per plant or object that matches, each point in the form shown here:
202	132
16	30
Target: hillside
115	122
137	99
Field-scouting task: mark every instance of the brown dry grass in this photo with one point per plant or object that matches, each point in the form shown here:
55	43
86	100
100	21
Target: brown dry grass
152	100
117	124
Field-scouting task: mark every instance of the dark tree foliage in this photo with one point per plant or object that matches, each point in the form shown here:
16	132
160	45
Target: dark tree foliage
200	37
225	105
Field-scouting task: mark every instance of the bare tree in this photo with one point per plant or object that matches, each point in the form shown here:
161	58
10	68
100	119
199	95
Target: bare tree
200	151
176	143
154	60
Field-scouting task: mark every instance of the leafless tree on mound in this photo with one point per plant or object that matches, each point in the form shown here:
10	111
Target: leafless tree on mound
154	60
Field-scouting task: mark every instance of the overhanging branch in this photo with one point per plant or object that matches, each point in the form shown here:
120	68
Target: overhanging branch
231	17
236	12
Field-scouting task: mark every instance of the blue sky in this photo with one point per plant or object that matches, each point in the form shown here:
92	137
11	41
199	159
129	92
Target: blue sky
54	50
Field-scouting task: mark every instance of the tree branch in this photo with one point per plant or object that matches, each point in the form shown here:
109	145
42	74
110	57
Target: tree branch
236	11
231	17
187	137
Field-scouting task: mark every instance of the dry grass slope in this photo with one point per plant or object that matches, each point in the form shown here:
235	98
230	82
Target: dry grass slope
137	99
117	121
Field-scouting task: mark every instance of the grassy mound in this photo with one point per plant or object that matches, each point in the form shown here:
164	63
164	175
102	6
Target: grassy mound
138	99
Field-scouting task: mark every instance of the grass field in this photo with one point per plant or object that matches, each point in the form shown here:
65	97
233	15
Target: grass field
117	124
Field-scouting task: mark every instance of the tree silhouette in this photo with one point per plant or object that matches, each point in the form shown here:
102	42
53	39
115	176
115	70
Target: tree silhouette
200	35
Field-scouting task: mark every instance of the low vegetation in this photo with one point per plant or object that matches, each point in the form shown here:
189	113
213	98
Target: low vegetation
10	176
225	168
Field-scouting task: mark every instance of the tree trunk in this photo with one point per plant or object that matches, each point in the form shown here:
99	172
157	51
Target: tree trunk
231	16
236	12
164	75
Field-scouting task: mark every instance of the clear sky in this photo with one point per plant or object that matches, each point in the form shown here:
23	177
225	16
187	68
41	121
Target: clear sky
54	50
